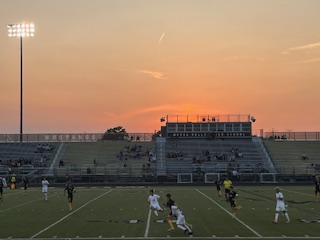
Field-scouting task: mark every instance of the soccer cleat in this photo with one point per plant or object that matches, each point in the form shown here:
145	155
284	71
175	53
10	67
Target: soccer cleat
288	221
186	231
190	233
274	221
170	229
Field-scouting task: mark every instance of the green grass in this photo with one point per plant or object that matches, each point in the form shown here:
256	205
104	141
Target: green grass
104	213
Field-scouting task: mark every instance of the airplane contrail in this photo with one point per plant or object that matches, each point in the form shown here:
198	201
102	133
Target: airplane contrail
161	38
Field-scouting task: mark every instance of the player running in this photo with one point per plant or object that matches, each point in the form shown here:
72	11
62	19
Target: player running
169	204
154	204
181	222
70	190
232	199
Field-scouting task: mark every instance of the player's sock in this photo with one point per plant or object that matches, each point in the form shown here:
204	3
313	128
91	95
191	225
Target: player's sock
156	213
46	196
181	227
287	217
170	223
276	217
189	229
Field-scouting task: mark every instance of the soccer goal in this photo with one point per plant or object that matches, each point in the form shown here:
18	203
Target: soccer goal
268	178
211	177
185	178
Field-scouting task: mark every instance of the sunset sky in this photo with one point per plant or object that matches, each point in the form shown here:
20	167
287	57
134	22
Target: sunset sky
98	64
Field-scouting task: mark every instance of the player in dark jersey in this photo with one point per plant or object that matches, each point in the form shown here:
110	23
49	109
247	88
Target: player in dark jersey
169	204
232	199
70	190
25	183
317	187
1	189
218	184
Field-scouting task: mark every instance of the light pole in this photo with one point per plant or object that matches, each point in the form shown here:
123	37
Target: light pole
21	30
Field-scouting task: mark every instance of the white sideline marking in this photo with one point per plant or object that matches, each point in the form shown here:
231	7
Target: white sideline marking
305	194
45	229
20	205
256	233
146	233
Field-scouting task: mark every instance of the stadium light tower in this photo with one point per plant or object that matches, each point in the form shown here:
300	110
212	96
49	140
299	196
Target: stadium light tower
21	30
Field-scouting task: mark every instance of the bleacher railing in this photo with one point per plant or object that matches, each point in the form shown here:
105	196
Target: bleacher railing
292	136
69	137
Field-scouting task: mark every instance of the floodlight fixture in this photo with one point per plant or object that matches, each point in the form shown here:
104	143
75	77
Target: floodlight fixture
21	30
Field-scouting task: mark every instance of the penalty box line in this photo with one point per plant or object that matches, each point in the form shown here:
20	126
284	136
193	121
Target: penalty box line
248	227
55	223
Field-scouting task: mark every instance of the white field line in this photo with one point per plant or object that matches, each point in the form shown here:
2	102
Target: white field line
305	194
26	203
146	233
55	223
248	227
178	238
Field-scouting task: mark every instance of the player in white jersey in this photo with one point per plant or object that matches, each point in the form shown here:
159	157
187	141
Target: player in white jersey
45	185
154	204
181	221
280	206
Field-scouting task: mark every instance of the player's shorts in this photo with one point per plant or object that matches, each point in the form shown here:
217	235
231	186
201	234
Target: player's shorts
317	189
181	220
226	190
218	188
155	206
232	203
280	207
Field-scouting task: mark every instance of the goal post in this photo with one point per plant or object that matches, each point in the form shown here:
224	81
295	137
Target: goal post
185	178
211	177
268	177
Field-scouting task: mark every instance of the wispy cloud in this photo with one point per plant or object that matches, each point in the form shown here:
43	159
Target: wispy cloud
157	75
304	47
161	38
310	60
235	58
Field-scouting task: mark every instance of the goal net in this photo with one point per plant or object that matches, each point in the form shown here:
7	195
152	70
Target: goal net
211	177
185	178
268	178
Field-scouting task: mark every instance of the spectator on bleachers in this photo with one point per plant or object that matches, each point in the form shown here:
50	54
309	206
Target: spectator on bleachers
304	156
61	163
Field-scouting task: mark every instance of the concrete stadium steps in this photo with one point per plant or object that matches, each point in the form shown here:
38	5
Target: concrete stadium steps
105	153
286	155
194	148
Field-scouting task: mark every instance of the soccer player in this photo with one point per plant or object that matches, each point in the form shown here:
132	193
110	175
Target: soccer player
1	189
232	199
45	185
169	204
70	190
227	183
181	222
218	183
280	206
154	204
25	183
317	185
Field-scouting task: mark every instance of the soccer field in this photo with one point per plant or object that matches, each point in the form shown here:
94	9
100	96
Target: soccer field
123	213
